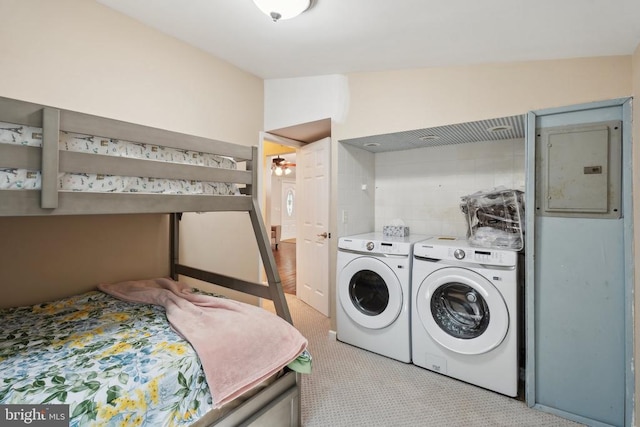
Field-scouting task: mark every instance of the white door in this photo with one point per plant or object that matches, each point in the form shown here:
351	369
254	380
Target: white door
312	249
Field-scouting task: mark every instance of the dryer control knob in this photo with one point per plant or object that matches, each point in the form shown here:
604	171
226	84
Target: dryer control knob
459	254
370	246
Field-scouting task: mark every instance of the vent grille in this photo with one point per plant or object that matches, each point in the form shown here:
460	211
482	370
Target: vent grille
504	128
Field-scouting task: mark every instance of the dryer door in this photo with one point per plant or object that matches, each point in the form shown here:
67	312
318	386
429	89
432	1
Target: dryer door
370	292
462	310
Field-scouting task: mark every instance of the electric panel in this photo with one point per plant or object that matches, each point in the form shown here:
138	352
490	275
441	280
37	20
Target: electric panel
579	170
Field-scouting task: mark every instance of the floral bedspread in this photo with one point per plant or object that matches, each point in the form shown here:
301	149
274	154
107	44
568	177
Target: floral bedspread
113	362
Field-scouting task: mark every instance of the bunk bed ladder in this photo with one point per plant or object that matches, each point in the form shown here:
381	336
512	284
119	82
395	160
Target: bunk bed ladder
273	277
264	242
292	398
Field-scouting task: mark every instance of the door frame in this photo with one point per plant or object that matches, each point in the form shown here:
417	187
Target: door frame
263	170
627	208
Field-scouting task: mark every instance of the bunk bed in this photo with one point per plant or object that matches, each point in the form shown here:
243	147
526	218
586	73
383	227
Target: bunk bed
59	162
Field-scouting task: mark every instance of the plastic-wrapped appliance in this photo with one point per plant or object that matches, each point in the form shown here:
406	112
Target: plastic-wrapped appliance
495	218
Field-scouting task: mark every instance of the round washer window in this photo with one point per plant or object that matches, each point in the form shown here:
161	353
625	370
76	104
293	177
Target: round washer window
460	310
447	292
368	292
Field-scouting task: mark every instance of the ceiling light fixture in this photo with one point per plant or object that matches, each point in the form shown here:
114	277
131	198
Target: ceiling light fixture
280	166
282	9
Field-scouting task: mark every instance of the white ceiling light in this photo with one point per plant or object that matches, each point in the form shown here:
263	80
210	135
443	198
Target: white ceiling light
282	9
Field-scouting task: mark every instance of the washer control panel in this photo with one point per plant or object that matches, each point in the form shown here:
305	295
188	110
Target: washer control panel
488	256
459	251
374	246
480	256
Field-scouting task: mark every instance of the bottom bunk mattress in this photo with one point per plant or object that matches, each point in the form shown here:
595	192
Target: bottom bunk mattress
113	362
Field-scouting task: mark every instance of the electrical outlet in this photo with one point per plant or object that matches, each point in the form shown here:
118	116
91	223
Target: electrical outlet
345	217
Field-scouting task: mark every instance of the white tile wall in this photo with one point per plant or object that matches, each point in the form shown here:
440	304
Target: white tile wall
356	207
422	187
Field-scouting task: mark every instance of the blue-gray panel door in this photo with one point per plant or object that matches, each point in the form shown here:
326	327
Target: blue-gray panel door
578	304
580	361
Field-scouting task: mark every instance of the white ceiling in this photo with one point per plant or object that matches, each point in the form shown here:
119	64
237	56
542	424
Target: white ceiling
344	36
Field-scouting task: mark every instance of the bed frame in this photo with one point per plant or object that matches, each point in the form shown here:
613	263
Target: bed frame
279	403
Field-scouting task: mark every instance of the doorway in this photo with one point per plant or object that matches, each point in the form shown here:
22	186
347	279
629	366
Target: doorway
281	203
285	256
293	253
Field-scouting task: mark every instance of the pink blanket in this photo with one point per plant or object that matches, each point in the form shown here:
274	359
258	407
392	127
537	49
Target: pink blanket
239	344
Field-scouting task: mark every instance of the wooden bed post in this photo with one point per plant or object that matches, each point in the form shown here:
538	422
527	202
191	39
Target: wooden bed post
50	161
174	247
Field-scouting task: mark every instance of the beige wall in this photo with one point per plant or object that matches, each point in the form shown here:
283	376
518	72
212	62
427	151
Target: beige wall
80	55
636	214
45	258
394	101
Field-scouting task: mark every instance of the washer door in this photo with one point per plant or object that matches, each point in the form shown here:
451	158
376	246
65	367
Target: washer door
370	292
462	310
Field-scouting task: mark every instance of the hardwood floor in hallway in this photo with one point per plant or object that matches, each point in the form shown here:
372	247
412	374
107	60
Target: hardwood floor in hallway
285	257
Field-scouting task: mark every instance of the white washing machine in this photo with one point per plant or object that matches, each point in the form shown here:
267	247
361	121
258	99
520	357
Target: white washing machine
374	293
465	312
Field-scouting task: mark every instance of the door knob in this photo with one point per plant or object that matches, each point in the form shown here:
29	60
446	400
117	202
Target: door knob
323	235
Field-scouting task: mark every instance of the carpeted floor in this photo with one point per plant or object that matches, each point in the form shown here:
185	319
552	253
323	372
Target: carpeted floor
353	387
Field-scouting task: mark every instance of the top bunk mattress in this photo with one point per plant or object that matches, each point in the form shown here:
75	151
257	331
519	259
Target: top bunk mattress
61	162
24	179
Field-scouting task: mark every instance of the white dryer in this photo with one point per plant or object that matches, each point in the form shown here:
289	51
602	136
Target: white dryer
374	293
465	312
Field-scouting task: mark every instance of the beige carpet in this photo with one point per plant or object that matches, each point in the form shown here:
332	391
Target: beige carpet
353	387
